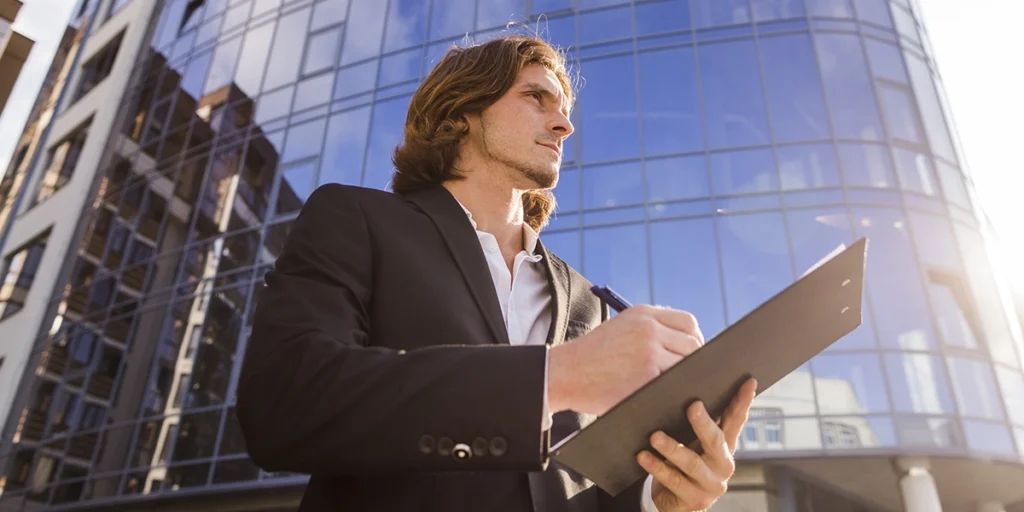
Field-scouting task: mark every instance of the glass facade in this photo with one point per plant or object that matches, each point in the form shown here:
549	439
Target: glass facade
722	147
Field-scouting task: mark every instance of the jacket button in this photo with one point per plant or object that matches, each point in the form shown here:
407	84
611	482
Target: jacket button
498	446
427	444
479	447
444	446
462	452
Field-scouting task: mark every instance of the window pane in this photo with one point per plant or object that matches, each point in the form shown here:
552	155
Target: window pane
329	12
671	102
929	432
988	437
196	435
793	395
755	260
849	384
400	67
346	143
606	186
709	13
251	62
385	134
662	16
794	91
304	140
951	308
900	307
676	178
874	11
866	165
692	286
366	27
918	383
313	91
792	433
195	75
900	114
953	185
804	167
744	172
296	185
830	8
613	257
289	41
975	388
223	65
1012	385
886	60
844	433
498	13
931	111
608	110
605	25
988	304
905	24
732	94
765	10
847	87
356	79
407	24
565	245
567	192
936	246
449	19
915	171
322	51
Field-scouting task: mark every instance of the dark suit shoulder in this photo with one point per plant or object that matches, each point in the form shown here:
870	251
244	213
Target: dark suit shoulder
363	195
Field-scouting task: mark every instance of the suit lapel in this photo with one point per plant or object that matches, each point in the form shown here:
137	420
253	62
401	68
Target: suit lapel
558	281
464	245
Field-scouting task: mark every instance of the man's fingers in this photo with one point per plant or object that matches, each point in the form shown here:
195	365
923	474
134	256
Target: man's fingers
736	414
712	439
681	321
677	342
687	461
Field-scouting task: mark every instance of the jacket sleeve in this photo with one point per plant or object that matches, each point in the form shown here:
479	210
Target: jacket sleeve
316	396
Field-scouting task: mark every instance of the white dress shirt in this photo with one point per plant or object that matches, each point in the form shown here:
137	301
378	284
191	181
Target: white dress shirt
526	307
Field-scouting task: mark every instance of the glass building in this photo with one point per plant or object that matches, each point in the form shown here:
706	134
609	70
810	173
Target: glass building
722	147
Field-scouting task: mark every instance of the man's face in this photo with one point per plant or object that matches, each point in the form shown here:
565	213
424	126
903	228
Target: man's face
524	130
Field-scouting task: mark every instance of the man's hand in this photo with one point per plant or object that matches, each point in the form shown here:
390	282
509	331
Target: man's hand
598	370
688	481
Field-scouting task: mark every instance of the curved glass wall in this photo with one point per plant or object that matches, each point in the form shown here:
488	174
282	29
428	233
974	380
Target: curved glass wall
722	147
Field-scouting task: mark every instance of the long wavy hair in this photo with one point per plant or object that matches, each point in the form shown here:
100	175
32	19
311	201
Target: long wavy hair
467	81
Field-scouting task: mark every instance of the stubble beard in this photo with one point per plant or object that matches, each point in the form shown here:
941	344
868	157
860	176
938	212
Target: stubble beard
526	175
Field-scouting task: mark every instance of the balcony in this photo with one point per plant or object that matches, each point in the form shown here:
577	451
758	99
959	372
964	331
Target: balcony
118	329
32	425
149	228
78	301
134	277
100	386
97	243
55	359
82	447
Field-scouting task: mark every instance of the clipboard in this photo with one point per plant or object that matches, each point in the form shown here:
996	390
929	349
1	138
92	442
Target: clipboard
768	343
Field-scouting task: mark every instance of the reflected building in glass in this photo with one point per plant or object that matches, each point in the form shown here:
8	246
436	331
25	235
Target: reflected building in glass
722	147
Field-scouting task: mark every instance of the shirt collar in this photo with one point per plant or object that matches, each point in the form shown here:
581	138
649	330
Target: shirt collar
530	236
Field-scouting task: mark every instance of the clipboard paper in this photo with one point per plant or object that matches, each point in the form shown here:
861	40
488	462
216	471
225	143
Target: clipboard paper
768	343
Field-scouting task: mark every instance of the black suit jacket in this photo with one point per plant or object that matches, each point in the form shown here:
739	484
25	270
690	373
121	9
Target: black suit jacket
379	347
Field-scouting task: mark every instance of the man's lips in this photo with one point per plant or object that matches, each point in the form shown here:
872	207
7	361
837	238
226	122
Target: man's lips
553	147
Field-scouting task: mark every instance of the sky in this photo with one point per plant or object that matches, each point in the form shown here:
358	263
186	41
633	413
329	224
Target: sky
973	43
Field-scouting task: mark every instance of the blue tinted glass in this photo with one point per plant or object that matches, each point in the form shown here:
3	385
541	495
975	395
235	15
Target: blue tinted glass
1012	385
866	165
565	245
931	110
356	79
777	9
289	42
988	304
450	19
662	16
313	91
605	186
810	166
605	25
854	432
567	192
830	8
249	72
541	6
559	32
875	11
590	4
365	30
346	143
385	134
922	431
222	68
814	234
329	12
400	67
849	384
988	437
794	91
676	178
951	308
936	246
886	60
900	114
848	87
953	185
900	307
498	13
614	257
732	94
918	383
975	388
905	24
304	140
915	171
685	278
274	105
607	104
744	172
195	75
671	102
406	24
755	260
296	185
322	51
710	13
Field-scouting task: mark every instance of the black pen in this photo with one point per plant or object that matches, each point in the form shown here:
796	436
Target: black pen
611	298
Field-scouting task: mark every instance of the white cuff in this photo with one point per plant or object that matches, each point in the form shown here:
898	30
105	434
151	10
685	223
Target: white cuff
646	498
545	416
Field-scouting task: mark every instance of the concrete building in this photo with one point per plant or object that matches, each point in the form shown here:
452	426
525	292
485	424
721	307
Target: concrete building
14	49
722	147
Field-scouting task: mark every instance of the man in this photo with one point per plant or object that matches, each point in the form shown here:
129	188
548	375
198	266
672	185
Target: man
422	349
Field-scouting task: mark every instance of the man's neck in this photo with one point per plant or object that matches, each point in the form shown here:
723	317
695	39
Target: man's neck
496	209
